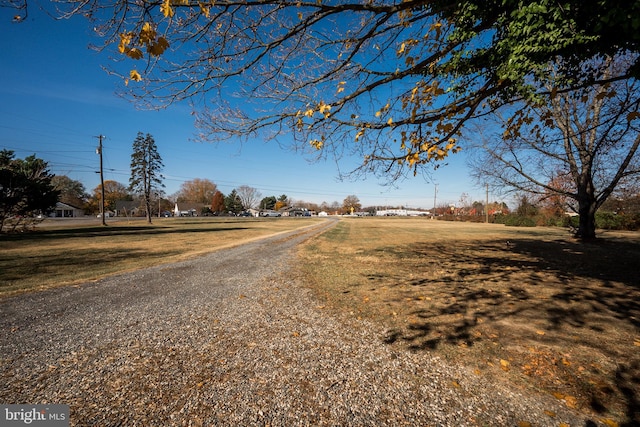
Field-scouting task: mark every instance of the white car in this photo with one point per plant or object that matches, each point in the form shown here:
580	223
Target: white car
271	213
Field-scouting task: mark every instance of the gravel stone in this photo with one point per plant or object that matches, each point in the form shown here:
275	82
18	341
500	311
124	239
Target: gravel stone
231	338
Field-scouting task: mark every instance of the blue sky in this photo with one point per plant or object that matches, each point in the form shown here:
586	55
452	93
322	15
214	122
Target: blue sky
55	100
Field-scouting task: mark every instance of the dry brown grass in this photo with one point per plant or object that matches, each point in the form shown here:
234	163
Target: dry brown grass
530	306
62	253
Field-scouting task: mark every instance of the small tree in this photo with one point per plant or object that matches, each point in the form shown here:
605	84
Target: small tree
217	203
72	192
283	201
351	203
233	202
113	191
146	165
25	189
268	202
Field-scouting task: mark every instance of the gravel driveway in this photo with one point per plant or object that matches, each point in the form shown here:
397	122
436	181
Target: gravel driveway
231	339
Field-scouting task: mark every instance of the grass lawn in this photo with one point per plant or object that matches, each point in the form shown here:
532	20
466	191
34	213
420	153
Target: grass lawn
531	306
64	252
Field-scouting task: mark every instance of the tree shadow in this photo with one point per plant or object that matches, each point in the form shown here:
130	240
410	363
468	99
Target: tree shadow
149	230
553	293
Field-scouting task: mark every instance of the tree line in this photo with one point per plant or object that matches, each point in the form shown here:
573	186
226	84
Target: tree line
29	191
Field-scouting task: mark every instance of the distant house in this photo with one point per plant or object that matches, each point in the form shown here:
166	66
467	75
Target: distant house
127	207
64	210
188	209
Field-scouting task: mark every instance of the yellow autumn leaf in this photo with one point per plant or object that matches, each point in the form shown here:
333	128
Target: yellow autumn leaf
571	401
390	121
324	109
524	424
438	29
504	365
636	342
309	112
135	75
158	48
609	422
134	53
402	49
147	33
166	9
125	40
359	134
316	143
204	9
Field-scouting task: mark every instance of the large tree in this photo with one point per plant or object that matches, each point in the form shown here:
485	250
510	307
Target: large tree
579	145
394	82
146	167
25	189
197	191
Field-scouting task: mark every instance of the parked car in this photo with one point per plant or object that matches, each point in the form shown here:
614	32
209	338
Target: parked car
271	213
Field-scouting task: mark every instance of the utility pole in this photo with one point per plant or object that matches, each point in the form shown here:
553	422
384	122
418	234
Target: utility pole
435	193
99	151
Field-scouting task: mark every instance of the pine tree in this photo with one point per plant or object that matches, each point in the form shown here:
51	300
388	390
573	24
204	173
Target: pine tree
146	165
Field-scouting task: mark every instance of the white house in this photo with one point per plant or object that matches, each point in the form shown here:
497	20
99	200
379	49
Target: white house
64	210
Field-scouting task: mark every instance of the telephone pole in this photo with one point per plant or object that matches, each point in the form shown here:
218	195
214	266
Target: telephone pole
99	152
435	193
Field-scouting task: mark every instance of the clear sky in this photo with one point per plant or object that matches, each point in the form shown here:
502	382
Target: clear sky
55	100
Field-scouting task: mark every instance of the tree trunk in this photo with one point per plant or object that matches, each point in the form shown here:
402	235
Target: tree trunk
147	203
587	220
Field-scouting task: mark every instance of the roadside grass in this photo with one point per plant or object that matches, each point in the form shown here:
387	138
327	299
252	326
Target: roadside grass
57	254
531	306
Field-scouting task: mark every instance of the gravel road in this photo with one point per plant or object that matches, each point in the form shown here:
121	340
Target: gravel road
231	338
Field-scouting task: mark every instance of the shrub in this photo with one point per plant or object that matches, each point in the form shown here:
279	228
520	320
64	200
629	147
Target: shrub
519	221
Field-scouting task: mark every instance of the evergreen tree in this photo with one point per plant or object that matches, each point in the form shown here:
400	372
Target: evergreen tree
25	190
233	202
146	165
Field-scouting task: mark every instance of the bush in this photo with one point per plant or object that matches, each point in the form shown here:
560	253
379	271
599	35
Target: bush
519	221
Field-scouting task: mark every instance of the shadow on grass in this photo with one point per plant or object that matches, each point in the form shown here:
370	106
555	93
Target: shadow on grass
149	230
560	294
86	263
